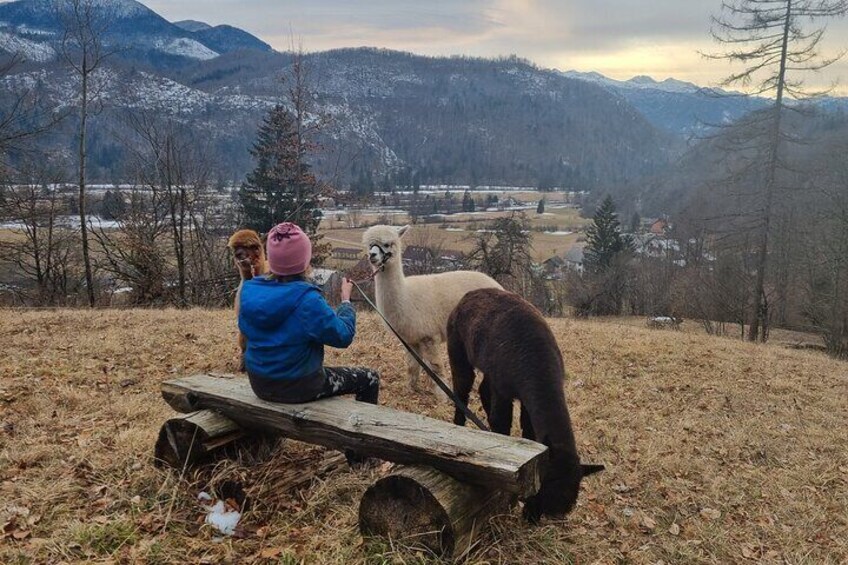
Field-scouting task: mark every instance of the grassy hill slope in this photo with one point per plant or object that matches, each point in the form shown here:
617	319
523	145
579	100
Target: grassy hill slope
717	451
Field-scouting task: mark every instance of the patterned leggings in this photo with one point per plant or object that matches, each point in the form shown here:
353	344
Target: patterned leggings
364	383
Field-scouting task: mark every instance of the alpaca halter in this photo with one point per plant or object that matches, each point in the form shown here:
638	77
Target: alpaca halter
385	253
379	268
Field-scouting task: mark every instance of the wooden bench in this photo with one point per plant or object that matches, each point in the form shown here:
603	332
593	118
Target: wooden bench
459	474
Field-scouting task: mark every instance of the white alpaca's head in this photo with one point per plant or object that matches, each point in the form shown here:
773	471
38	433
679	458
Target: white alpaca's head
383	245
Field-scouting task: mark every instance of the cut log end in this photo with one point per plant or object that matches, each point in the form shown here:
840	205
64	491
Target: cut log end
422	507
186	440
399	508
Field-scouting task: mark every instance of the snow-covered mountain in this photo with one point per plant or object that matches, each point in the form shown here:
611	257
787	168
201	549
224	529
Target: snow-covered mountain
442	120
676	106
33	28
640	82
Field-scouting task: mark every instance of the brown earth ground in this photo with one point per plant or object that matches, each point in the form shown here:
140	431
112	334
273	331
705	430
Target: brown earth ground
717	451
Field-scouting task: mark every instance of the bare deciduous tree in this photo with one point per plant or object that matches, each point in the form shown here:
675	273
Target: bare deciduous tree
168	246
23	116
41	249
134	253
172	162
825	290
85	24
502	250
772	41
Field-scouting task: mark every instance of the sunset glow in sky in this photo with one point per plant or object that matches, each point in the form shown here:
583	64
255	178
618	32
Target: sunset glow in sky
618	38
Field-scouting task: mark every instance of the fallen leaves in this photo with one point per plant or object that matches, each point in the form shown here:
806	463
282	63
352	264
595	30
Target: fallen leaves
648	523
271	552
710	513
757	552
16	521
663	491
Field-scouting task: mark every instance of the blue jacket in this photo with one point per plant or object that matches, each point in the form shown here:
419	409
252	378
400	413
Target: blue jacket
287	325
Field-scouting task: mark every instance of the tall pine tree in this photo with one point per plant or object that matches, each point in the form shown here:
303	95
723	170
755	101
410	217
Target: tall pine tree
605	242
281	187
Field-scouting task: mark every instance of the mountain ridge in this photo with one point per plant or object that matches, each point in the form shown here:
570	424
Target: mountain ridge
34	27
395	116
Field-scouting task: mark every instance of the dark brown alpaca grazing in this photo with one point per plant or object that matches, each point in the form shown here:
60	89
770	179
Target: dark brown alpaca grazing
505	338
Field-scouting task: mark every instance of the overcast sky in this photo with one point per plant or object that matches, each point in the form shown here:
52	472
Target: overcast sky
619	38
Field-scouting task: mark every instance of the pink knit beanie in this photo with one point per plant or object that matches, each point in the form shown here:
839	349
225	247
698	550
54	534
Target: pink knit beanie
289	250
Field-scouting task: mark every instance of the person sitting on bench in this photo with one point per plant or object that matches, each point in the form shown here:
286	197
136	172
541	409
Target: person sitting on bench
287	323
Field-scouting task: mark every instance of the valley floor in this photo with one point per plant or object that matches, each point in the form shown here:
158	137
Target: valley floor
717	451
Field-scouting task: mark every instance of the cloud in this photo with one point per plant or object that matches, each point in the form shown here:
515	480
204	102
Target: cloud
622	38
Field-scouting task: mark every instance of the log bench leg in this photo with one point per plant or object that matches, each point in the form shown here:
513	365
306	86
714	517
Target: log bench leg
425	507
187	439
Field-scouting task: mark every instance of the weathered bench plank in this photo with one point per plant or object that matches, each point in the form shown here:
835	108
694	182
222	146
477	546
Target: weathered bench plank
507	463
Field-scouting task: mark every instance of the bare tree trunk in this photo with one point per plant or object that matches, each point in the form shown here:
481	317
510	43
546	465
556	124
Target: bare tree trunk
176	206
759	322
51	251
83	50
89	278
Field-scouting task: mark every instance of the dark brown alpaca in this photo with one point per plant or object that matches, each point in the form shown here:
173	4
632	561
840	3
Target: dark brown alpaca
505	338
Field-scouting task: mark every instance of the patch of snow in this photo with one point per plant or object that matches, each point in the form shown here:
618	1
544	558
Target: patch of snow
25	29
30	50
185	47
643	82
12	226
93	221
71	222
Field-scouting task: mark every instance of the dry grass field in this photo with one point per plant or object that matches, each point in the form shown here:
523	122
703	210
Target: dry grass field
458	232
717	451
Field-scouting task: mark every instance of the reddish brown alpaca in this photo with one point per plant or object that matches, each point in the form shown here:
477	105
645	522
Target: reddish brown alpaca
249	255
505	338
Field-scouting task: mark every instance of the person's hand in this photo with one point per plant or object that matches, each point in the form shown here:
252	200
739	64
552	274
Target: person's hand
347	288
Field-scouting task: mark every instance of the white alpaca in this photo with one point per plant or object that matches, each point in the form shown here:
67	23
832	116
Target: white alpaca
417	307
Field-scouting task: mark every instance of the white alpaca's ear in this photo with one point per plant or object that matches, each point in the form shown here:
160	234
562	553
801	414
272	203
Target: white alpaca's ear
402	230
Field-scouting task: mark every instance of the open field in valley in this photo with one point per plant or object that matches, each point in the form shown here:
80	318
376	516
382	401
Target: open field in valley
457	232
717	451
